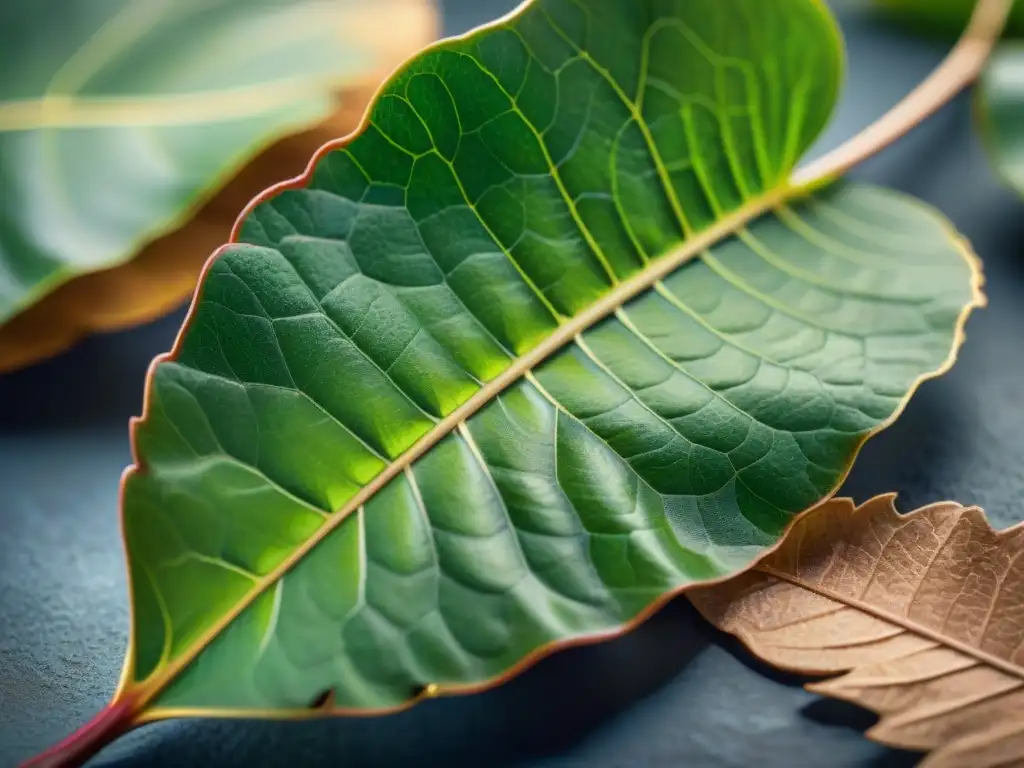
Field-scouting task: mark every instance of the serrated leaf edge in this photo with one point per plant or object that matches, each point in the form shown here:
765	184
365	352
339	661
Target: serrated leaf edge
880	613
830	687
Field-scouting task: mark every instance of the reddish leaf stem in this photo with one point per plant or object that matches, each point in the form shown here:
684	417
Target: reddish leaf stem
114	720
958	70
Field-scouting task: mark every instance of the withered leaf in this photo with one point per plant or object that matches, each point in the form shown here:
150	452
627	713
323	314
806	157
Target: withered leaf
924	612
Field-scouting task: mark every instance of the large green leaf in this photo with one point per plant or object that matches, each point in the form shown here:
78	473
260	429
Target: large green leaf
1000	107
542	346
118	116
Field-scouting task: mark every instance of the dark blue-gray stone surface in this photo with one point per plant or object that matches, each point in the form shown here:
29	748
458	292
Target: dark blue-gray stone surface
673	693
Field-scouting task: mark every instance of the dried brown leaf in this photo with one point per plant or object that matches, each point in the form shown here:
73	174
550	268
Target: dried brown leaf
924	612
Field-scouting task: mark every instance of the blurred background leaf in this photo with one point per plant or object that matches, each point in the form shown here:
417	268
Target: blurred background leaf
943	17
1000	111
121	120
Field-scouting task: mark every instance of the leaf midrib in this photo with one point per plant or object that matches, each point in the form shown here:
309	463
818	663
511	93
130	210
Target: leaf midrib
144	691
903	622
61	104
206	106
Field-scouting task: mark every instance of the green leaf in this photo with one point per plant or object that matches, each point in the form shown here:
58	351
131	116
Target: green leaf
1000	109
542	346
117	118
944	17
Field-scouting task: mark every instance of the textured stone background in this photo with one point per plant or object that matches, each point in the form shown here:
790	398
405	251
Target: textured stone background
673	693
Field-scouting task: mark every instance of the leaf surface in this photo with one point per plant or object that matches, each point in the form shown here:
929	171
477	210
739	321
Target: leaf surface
1000	108
541	346
924	612
117	123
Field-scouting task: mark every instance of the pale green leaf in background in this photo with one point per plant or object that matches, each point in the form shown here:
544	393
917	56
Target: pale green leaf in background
1000	110
118	117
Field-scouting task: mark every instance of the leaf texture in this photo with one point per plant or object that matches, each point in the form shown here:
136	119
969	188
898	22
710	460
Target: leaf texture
1000	108
117	124
541	346
924	612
